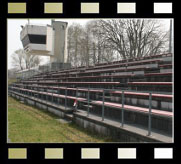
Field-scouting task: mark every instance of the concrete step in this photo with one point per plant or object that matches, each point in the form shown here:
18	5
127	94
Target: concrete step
69	116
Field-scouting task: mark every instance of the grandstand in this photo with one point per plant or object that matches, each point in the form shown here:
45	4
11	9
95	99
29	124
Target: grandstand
130	100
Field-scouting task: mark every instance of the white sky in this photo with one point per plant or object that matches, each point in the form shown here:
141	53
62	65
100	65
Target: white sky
14	28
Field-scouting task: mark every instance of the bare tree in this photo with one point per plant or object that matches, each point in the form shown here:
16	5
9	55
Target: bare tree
17	59
31	61
74	47
100	50
21	60
97	40
108	40
134	38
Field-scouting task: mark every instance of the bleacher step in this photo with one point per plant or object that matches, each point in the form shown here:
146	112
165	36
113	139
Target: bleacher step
69	116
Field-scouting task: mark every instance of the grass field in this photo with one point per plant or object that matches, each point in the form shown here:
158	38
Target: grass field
27	124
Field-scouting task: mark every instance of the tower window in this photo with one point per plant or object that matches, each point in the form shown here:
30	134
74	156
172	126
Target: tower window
37	39
34	39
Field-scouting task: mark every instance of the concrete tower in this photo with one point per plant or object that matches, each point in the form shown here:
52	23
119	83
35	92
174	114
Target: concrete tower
47	40
59	42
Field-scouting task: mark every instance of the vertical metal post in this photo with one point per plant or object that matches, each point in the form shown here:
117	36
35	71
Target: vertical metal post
45	94
52	97
122	110
58	97
76	98
149	116
103	94
88	101
170	39
40	96
66	98
46	100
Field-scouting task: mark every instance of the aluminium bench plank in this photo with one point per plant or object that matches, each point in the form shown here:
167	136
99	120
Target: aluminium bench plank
150	83
134	108
154	95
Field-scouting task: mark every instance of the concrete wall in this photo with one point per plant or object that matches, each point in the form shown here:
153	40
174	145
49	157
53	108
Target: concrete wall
118	134
56	112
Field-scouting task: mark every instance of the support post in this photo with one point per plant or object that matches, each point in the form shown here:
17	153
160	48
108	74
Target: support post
122	110
88	101
52	97
149	115
76	98
47	100
66	98
58	97
103	94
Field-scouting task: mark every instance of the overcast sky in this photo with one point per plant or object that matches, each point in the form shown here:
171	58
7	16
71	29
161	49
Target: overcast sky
14	28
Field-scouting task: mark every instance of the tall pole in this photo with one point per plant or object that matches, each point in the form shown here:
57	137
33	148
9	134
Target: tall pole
170	39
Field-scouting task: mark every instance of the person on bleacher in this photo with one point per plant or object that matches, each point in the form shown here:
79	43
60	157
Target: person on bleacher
75	105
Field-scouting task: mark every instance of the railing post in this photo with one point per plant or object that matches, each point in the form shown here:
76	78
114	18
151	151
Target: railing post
122	110
66	98
149	115
58	97
46	100
43	95
46	97
103	94
52	97
76	98
40	97
88	101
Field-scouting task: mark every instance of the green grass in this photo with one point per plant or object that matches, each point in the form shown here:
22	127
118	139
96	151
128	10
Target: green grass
27	124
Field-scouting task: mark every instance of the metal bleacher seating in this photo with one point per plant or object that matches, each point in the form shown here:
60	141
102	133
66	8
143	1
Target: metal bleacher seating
124	84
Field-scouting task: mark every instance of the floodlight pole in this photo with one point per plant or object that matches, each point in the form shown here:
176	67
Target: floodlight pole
170	39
